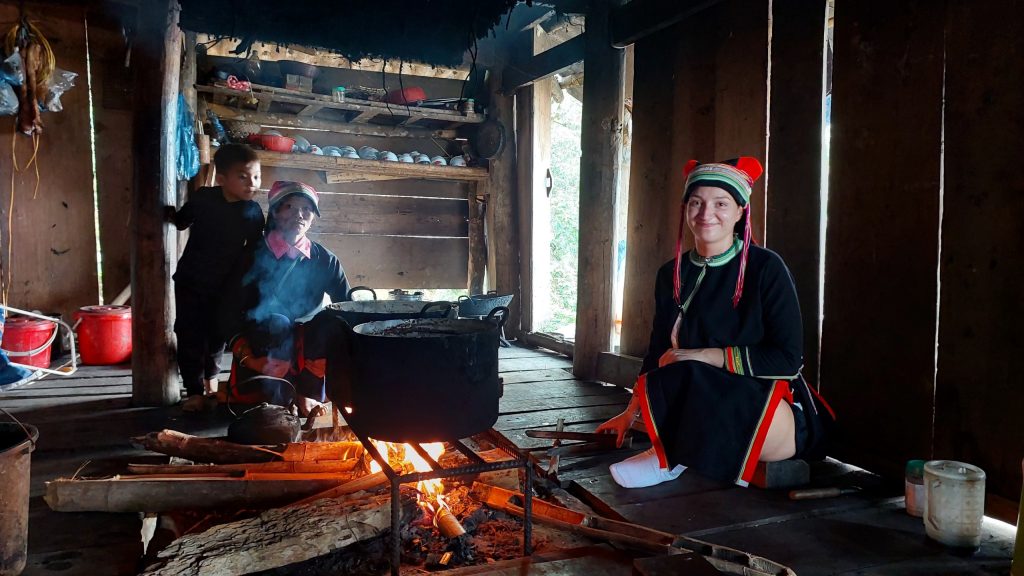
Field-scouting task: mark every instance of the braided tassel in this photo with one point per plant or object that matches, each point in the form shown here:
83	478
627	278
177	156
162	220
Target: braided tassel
748	237
676	281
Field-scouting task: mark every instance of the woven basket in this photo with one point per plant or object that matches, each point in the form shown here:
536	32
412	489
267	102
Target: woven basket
239	130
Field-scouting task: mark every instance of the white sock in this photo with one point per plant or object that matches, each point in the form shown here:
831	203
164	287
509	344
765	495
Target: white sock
643	470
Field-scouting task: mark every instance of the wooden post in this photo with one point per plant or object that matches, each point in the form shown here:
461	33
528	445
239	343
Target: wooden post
878	338
600	165
503	242
524	192
977	384
156	59
477	243
795	155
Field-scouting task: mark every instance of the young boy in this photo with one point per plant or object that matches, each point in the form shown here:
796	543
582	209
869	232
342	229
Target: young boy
224	221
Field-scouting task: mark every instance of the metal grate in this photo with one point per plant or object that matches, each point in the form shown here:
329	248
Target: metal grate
477	465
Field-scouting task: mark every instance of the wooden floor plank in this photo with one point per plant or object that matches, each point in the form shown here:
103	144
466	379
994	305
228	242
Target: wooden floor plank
562	402
557	389
533	363
519	352
544	375
877	541
550	417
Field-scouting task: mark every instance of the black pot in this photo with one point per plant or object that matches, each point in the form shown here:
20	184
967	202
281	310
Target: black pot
357	312
421	380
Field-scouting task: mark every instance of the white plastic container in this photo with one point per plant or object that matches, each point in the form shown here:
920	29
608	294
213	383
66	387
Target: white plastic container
954	502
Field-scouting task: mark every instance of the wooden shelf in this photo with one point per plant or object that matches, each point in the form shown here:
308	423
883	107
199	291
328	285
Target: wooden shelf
350	170
353	111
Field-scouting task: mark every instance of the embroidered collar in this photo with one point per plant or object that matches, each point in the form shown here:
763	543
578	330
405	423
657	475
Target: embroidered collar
719	260
279	247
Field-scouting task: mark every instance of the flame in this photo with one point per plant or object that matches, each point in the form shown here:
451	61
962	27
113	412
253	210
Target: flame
430	496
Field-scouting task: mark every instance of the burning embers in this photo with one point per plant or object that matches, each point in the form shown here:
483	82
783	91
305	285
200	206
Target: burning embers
429	493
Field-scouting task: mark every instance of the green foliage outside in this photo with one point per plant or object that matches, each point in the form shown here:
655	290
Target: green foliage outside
566	120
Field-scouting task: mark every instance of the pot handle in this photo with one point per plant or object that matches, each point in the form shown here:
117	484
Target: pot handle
364	289
443	305
499	314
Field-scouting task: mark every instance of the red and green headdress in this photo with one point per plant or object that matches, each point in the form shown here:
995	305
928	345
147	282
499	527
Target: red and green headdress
735	176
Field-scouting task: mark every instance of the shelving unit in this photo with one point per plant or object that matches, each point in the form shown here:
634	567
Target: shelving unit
309	105
351	170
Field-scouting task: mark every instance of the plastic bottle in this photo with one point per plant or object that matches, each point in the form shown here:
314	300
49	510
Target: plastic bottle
913	485
218	128
338	94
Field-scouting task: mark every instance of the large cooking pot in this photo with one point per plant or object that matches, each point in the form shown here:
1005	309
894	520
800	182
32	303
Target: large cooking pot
357	312
422	380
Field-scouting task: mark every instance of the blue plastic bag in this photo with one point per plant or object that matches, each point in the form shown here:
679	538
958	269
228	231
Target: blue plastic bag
188	152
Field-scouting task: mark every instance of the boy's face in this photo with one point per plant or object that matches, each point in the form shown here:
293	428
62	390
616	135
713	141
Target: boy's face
241	182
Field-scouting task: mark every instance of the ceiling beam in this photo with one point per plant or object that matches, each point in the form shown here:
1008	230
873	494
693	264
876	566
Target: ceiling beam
640	18
547	63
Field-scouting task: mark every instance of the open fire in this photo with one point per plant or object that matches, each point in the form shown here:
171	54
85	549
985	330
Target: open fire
429	493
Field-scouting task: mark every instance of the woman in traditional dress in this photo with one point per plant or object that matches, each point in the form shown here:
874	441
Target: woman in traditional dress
720	388
280	352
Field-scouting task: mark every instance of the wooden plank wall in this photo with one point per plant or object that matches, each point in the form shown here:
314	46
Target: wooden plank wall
53	242
794	157
978	390
112	109
391	233
878	341
694	85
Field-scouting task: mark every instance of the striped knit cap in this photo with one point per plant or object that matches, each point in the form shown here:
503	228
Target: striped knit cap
736	176
284	188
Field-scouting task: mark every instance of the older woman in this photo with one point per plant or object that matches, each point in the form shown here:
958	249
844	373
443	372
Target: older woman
720	388
280	351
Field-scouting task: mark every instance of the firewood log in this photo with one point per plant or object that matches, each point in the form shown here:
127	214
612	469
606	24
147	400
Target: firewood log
280	537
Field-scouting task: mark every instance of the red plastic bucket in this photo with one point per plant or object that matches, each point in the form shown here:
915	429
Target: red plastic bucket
27	340
104	334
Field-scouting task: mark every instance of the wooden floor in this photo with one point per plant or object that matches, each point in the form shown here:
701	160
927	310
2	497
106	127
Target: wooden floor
85	422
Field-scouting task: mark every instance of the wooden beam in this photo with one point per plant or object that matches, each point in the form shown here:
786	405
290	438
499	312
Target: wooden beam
980	307
793	217
547	63
882	382
641	18
156	59
293	121
161	494
503	238
477	261
618	369
525	143
542	340
600	166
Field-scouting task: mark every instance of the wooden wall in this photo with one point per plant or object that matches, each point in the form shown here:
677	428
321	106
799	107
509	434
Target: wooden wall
700	91
878	340
389	233
978	391
52	239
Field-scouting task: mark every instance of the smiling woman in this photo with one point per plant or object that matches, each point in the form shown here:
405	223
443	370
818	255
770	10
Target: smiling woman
720	388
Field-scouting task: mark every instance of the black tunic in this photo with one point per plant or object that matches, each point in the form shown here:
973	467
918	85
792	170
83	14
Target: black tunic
219	232
715	419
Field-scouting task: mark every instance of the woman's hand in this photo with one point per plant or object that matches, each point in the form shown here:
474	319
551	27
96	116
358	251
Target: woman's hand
713	356
618	425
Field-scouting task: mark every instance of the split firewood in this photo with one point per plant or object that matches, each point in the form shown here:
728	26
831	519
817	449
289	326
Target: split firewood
329	466
357	485
161	494
280	537
212	451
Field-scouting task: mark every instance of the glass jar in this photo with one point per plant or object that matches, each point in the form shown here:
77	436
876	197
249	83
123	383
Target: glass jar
338	94
468	106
